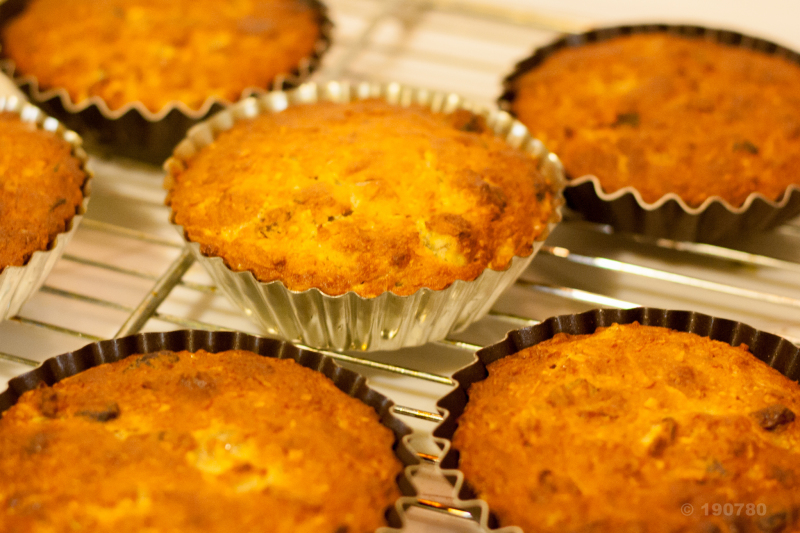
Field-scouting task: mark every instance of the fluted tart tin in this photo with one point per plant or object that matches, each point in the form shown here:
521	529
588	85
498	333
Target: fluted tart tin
20	283
691	381
136	130
216	446
349	320
671	216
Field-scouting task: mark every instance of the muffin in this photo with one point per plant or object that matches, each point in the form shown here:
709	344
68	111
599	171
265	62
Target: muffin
667	113
158	58
361	200
43	196
197	441
635	428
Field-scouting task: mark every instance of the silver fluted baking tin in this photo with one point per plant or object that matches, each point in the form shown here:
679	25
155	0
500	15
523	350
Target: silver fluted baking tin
669	217
350	321
773	350
19	283
351	383
133	130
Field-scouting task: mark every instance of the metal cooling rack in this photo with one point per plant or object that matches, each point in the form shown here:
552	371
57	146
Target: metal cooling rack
126	270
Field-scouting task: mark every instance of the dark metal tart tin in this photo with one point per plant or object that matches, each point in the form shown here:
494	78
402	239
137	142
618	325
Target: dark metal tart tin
669	217
133	131
351	383
775	351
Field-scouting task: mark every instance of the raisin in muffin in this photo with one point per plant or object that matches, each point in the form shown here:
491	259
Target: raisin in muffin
666	113
634	428
367	197
194	442
156	53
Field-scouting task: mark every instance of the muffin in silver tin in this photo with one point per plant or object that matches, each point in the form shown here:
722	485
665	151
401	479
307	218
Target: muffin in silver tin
19	283
135	129
772	350
670	216
348	320
221	455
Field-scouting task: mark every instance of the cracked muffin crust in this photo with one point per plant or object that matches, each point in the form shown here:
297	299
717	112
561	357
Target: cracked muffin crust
194	442
154	52
40	188
664	114
366	197
623	429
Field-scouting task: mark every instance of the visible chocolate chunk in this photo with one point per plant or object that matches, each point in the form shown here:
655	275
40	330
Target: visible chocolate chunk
109	413
626	119
553	483
773	416
466	121
164	355
665	437
49	403
745	146
401	260
546	480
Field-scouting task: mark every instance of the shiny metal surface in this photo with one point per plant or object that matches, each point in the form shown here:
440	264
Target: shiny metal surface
19	283
350	321
125	243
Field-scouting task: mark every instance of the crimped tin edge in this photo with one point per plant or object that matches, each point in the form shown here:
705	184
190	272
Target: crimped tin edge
19	283
690	228
353	384
770	348
109	130
485	288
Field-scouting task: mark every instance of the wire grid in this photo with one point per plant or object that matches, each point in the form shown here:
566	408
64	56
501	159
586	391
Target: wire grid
585	266
127	271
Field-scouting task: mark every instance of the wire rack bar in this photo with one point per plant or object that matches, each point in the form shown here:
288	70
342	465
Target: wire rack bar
86	299
58	329
158	294
128	232
425	376
506	14
417	413
719	252
19	360
173	277
107	266
577	295
362	41
661	275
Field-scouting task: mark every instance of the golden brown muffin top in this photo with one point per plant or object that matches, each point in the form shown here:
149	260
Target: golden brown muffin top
365	197
663	113
158	52
40	188
616	431
194	442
